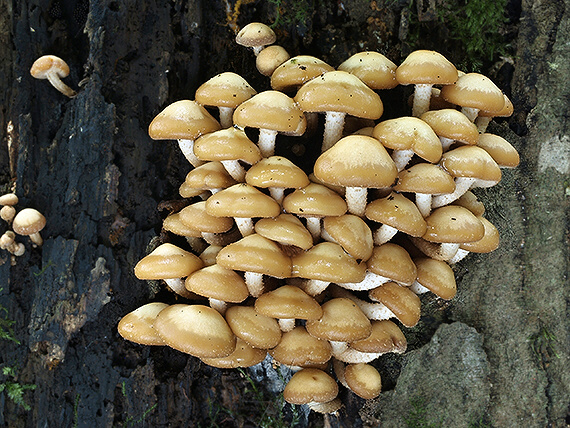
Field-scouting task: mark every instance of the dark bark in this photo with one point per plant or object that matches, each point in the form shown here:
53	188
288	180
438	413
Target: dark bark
90	167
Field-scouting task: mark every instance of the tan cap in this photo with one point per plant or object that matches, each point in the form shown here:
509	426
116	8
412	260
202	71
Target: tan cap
373	68
453	224
285	229
218	283
288	301
183	119
399	212
364	380
196	330
196	217
425	178
426	67
54	69
29	222
138	325
452	125
298	348
310	386
385	337
276	173
342	321
314	200
167	261
294	72
436	276
209	176
473	162
227	144
393	262
244	355
500	150
489	242
255	35
270	58
352	233
400	300
242	200
226	89
256	329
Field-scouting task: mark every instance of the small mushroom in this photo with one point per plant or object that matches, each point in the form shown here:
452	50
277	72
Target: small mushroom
315	388
256	35
29	222
53	68
138	325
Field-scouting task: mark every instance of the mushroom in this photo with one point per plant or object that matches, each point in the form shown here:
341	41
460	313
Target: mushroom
423	69
8	243
211	176
244	355
451	126
270	58
500	150
403	302
352	233
296	71
338	93
315	388
7	212
138	326
361	378
485	117
435	276
53	68
489	242
373	68
196	217
184	121
297	348
356	162
257	330
287	230
256	35
29	222
225	91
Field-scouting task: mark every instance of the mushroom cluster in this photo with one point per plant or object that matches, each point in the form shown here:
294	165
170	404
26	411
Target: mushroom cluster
26	222
320	269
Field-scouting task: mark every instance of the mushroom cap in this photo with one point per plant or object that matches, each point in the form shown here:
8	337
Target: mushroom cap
244	355
356	161
197	330
352	233
219	283
294	72
252	327
469	200
399	212
288	302
342	92
226	89
500	150
385	337
28	221
506	111
174	224
409	133
242	200
426	67
254	253
196	217
167	261
298	348
226	144
373	68
476	91
310	385
285	229
276	171
402	301
138	325
425	178
327	261
471	161
452	124
49	64
392	261
437	276
314	200
489	242
272	110
364	380
453	224
255	34
209	254
183	119
270	58
211	175
9	199
342	321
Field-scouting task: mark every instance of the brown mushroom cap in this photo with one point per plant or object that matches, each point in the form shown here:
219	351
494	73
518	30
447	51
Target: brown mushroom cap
226	89
227	144
256	329
425	178
352	233
393	262
174	224
244	355
9	199
453	224
364	380
242	200
452	124
209	176
288	301
54	69
310	385
327	261
167	261
469	200
500	150
270	58
294	72
373	68
314	200
285	229
28	221
183	119
138	325
255	34
219	283
196	330
426	67
475	91
489	242
399	212
298	348
437	276
403	302
342	321
471	161
196	217
276	171
384	337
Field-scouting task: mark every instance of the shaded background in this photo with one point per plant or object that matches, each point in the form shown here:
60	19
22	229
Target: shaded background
497	355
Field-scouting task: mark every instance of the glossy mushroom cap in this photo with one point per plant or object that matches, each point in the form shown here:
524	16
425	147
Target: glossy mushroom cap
310	386
288	302
352	233
435	276
294	72
400	300
54	69
183	119
244	355
167	261
255	35
270	58
298	348
364	380
226	89
373	68
342	321
138	325
29	222
286	229
256	329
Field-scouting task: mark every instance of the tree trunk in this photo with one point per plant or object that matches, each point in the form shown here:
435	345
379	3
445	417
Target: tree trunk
89	166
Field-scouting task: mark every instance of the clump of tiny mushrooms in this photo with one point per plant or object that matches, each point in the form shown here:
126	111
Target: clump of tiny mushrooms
321	269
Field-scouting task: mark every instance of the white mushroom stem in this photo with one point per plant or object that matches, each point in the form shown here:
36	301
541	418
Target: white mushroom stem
218	305
384	233
438	251
226	116
482	122
423	202
277	193
339	369
60	86
286	324
422	96
266	142
254	283
470	112
234	168
36	239
177	285
334	125
446	143
462	185
314	226
352	356
245	225
356	200
338	347
371	280
417	288
187	148
257	49
459	255
374	311
314	287
401	158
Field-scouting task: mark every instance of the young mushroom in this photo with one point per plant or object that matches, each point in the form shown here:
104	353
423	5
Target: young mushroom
53	69
29	222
